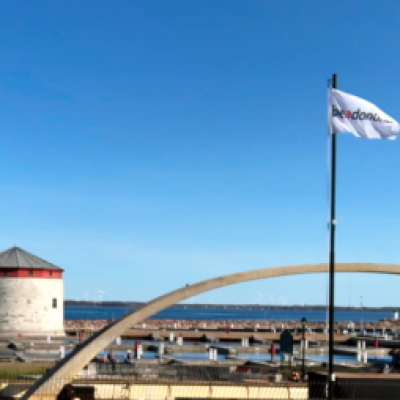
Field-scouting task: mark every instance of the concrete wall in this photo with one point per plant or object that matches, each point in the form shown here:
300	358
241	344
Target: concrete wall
26	306
218	391
162	391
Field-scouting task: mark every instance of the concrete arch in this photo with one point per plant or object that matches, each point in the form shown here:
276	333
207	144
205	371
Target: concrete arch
64	371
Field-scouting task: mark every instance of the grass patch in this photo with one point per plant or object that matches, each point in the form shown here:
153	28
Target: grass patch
13	370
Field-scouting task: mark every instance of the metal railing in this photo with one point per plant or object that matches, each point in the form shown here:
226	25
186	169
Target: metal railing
149	381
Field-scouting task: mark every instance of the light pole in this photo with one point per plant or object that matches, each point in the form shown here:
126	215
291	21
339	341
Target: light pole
304	327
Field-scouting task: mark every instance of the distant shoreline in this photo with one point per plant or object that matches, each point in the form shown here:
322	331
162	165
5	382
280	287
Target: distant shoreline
230	306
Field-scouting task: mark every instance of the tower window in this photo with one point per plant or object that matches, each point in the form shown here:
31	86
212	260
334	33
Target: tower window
54	303
51	273
5	272
30	272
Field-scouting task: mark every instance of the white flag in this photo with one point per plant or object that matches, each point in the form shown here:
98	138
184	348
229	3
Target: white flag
352	114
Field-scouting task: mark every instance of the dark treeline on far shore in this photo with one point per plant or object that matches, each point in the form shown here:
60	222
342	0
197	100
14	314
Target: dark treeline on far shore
226	306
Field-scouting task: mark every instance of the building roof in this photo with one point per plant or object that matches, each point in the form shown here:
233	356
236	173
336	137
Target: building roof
18	258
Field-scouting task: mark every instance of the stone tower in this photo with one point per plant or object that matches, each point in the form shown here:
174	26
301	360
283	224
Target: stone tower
31	295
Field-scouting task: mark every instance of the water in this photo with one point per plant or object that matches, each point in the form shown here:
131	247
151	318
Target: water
256	356
195	356
336	358
234	344
120	355
380	359
210	314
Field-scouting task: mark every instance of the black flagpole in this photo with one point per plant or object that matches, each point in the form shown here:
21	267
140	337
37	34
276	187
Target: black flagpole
332	258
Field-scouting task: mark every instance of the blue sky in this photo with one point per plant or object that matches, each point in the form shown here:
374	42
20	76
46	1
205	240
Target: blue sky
146	145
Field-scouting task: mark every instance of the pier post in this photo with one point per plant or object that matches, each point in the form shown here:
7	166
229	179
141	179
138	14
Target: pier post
161	349
139	352
304	344
210	353
62	352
